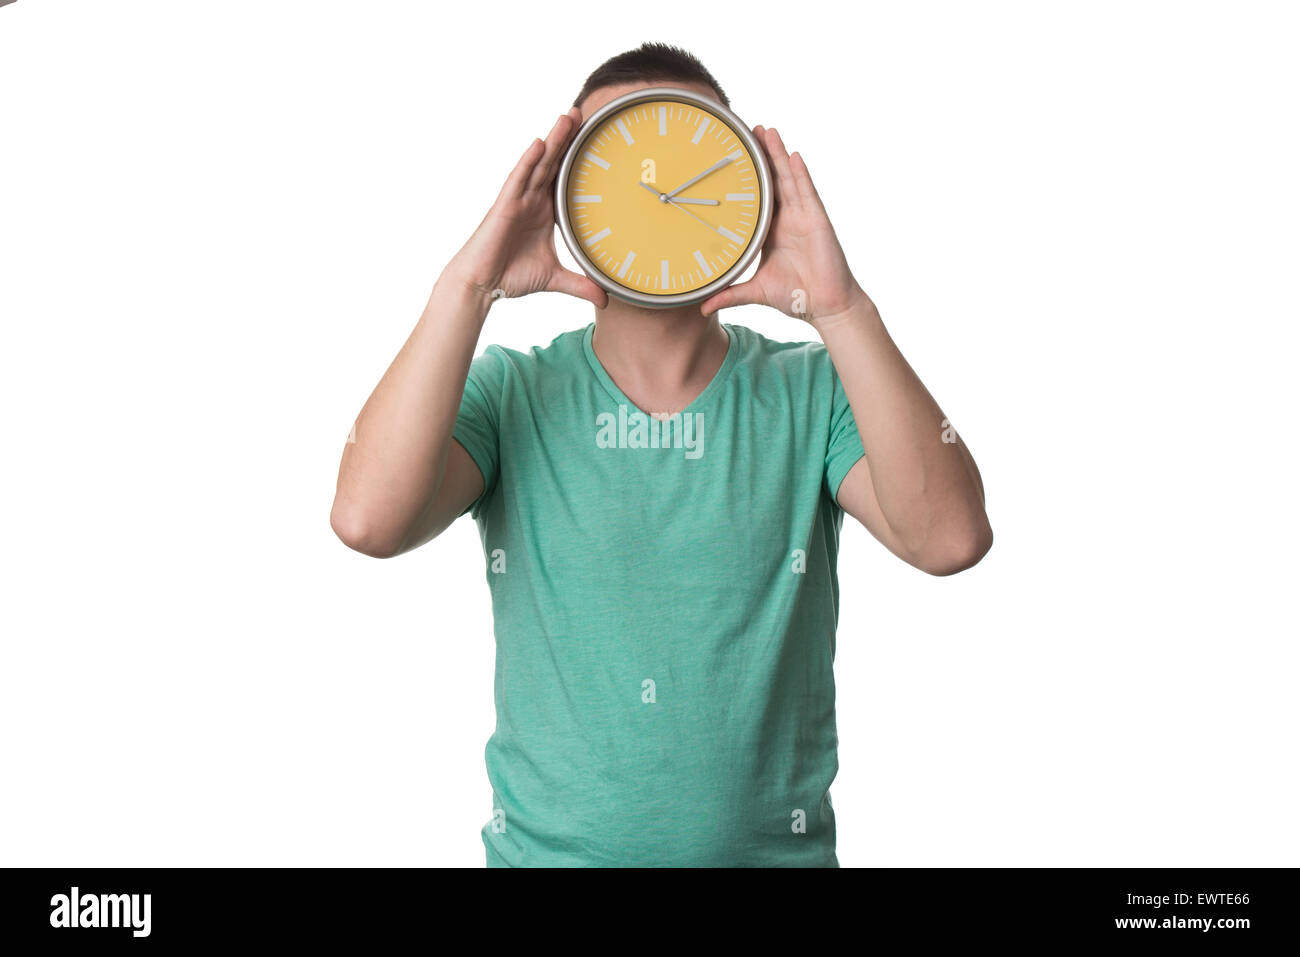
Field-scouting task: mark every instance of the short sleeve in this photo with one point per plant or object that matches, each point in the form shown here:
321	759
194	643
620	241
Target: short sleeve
843	446
478	420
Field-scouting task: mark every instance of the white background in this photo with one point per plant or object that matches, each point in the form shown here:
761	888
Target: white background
219	221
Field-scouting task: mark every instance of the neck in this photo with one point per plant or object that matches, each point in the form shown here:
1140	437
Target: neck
661	358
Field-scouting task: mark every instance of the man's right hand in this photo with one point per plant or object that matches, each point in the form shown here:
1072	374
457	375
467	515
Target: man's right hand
513	249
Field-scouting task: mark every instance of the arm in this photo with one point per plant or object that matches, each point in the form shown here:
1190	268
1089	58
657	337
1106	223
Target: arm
921	496
403	479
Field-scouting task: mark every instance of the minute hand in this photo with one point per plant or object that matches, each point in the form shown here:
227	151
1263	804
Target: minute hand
695	179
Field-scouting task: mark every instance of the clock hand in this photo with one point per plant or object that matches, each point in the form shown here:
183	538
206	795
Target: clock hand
695	179
663	197
693	216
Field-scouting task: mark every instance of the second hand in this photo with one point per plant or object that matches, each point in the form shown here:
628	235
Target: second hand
663	198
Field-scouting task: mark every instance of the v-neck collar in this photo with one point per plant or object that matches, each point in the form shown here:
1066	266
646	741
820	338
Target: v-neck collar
697	404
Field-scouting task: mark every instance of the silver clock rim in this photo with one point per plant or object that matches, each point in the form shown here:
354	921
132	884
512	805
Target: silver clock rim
760	229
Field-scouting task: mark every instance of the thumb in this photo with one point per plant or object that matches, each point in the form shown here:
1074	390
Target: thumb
741	294
573	284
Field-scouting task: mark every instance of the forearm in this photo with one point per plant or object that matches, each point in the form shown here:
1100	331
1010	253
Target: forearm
394	468
928	489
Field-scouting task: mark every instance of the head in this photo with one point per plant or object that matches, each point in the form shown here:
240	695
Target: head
650	64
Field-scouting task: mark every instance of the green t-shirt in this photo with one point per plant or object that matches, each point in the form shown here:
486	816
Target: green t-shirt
665	602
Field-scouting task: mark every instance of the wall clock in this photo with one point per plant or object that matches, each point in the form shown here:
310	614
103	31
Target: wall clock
664	197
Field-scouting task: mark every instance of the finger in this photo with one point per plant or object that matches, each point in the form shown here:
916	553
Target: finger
573	284
780	160
803	181
740	294
779	186
760	134
518	178
556	141
536	177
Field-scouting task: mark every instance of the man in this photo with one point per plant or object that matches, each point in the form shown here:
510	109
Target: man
665	617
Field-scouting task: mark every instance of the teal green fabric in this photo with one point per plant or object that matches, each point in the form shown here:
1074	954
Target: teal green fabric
665	602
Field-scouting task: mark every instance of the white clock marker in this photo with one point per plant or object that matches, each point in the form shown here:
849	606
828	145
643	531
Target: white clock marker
626	263
663	121
592	157
699	258
740	197
598	237
663	273
622	128
586	199
730	235
700	131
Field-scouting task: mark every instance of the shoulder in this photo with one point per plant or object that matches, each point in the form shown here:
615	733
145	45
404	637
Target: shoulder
499	365
773	357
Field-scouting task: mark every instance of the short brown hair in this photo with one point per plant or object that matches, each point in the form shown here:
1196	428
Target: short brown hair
651	61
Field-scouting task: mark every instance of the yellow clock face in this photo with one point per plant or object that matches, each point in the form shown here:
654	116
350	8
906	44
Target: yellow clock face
663	197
